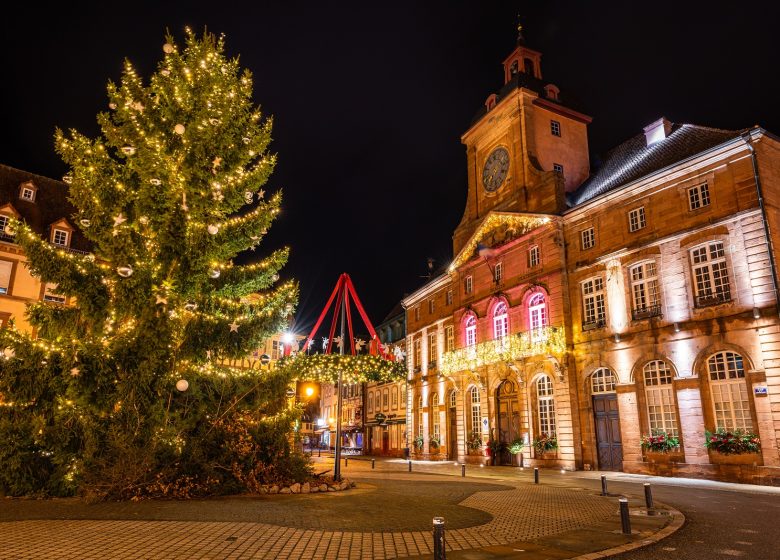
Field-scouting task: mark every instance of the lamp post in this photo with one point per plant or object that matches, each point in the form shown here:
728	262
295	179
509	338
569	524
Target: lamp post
339	399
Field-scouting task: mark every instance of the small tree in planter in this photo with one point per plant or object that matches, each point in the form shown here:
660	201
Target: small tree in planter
660	442
546	443
516	449
732	442
419	442
434	441
495	447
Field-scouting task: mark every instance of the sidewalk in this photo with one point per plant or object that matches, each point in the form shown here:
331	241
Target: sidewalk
491	513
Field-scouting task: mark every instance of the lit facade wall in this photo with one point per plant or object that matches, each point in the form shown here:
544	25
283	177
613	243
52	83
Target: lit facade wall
697	282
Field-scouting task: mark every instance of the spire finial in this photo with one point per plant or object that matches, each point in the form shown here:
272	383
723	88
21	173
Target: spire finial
520	38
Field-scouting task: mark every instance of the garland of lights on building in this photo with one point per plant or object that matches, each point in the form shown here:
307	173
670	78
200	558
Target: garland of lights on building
545	341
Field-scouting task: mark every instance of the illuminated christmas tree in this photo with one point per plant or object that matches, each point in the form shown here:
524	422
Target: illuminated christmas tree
122	394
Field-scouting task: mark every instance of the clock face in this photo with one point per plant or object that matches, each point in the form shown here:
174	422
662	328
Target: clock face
496	168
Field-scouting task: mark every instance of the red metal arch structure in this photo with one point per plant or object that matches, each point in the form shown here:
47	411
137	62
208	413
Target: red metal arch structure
343	294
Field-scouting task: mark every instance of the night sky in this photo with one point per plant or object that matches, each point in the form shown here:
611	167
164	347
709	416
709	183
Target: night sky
369	101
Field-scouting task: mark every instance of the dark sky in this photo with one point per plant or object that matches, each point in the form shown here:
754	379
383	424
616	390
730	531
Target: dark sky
369	101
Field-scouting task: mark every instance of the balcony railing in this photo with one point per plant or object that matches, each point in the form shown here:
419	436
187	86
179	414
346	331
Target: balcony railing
546	341
7	238
592	325
646	312
712	298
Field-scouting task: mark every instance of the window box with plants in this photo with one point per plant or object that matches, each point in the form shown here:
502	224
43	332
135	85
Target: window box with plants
516	449
546	446
733	447
419	443
434	443
661	447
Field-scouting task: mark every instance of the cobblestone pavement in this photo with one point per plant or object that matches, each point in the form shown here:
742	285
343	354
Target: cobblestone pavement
388	515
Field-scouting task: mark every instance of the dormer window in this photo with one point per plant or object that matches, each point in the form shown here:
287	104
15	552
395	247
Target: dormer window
60	237
3	225
490	102
27	191
552	92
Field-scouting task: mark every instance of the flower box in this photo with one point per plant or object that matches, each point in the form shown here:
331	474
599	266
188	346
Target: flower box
751	459
736	442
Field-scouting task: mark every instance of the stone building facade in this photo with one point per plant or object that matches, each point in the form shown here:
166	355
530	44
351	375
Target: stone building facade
600	307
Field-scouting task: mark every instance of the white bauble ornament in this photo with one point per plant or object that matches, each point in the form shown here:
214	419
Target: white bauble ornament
182	385
155	182
128	150
213	121
179	129
190	306
124	271
165	72
67	179
85	222
8	230
246	140
214	273
167	48
275	278
144	220
213	229
112	105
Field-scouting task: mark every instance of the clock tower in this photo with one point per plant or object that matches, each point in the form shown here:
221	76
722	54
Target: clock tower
525	149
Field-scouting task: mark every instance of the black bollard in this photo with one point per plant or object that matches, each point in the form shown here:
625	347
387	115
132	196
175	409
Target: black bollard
319	452
346	461
625	520
373	461
603	485
438	538
463	469
410	465
649	499
536	475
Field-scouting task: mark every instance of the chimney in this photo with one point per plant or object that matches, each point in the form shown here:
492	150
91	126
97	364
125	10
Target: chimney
657	131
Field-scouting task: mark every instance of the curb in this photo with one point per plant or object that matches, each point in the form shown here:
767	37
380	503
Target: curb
678	520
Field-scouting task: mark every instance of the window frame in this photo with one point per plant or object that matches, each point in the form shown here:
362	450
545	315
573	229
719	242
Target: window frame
468	285
660	402
64	232
555	128
731	383
594	315
637	219
498	272
6	290
449	338
603	378
500	321
587	238
701	193
538	316
534	256
558	168
50	295
448	298
644	286
475	409
545	405
470	331
717	270
433	347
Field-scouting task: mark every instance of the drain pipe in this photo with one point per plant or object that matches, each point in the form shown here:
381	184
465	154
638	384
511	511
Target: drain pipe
748	141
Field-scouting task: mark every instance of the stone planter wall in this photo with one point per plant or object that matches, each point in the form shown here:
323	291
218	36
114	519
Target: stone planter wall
307	488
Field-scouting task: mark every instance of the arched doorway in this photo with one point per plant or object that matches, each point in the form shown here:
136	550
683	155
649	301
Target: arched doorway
609	445
508	412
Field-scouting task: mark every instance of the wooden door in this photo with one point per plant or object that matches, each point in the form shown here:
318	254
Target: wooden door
608	443
508	420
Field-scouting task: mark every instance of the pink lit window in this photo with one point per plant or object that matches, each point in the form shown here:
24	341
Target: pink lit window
471	331
500	322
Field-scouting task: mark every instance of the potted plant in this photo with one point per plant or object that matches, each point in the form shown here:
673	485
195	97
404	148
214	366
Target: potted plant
419	442
516	449
545	443
434	441
475	441
737	446
495	447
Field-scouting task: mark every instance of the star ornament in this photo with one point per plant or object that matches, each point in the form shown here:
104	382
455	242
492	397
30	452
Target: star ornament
234	327
119	219
161	300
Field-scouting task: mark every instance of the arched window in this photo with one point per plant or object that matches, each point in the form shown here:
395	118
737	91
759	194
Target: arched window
434	416
661	411
730	401
471	331
545	405
528	67
385	399
537	315
602	381
420	416
370	403
500	321
453	399
476	411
